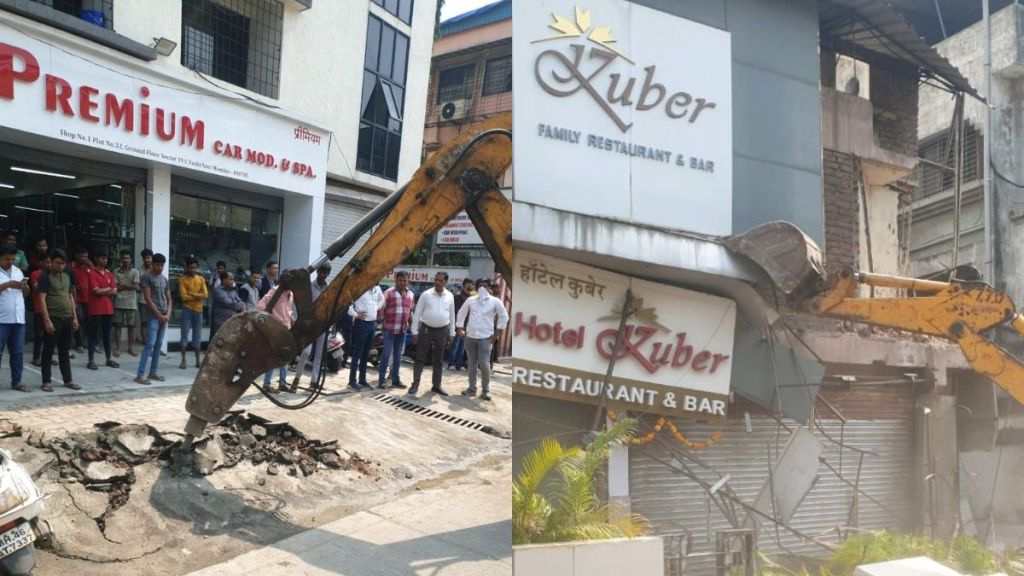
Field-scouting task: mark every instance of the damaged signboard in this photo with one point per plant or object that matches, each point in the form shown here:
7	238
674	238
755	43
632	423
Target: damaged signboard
676	350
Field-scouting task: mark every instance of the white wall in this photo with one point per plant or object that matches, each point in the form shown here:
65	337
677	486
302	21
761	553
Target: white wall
321	69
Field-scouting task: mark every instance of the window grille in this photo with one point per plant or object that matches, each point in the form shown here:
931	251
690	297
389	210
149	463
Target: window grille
498	76
939	149
237	41
456	83
400	8
98	12
383	100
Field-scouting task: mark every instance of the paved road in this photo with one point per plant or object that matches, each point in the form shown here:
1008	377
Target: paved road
409	451
460	529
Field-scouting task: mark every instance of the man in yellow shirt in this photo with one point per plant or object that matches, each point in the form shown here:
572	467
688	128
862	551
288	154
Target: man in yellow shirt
193	293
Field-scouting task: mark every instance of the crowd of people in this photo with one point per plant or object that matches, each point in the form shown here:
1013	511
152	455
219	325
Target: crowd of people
81	304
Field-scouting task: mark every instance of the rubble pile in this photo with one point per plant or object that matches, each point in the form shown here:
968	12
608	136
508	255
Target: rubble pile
103	459
244	437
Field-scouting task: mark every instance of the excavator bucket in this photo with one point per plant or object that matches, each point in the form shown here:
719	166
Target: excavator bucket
790	258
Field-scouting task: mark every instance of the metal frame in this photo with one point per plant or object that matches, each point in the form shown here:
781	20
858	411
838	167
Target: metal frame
382	106
237	41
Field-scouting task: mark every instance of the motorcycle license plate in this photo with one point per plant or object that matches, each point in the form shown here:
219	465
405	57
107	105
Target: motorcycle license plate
337	353
15	539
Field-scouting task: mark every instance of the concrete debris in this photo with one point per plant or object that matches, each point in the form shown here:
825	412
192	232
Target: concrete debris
272	469
105	472
136	440
243	437
8	428
209	455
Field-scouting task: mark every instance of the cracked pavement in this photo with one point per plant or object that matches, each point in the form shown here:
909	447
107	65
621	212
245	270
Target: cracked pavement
177	524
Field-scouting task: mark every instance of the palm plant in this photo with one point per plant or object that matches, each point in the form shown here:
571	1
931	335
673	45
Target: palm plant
573	511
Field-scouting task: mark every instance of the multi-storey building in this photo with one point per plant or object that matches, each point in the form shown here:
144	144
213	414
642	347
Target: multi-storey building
647	134
235	130
470	81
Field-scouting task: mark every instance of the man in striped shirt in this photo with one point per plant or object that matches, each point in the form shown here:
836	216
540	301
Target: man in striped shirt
398	304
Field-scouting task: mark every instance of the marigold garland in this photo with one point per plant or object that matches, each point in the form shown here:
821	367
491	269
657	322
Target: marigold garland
679	436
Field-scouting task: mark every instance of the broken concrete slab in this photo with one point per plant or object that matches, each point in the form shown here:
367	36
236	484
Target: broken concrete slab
209	455
331	459
92	504
8	428
104	472
136	440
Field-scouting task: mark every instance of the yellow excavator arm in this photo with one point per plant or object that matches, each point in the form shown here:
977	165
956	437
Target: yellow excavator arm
463	175
957	311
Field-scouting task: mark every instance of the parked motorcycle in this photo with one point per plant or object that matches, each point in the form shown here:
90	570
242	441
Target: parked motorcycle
335	352
21	504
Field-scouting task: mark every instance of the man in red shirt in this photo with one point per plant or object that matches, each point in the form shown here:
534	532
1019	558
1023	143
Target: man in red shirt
102	287
80	272
398	304
38	334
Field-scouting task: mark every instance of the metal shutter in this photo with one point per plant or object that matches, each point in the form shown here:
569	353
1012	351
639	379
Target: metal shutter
339	216
672	502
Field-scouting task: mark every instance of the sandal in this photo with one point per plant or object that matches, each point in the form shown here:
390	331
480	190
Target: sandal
47	387
72	385
112	364
22	388
182	366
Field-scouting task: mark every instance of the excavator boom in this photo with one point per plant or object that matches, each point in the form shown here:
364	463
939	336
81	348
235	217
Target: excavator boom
463	175
956	311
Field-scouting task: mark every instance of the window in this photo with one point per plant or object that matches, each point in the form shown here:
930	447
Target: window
400	8
383	100
237	41
98	12
498	76
455	83
938	149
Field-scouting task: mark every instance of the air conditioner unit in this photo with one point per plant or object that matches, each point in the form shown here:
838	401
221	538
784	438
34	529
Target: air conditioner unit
454	110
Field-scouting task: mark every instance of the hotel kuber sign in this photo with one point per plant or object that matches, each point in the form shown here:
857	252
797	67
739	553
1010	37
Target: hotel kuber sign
48	91
624	112
677	346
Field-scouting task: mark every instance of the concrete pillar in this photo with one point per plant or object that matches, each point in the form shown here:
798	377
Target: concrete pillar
158	210
302	227
158	217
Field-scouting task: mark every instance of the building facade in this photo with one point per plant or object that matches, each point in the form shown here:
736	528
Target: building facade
205	127
989	452
633	180
470	81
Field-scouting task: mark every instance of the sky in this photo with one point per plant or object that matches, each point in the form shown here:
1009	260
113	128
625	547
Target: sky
456	7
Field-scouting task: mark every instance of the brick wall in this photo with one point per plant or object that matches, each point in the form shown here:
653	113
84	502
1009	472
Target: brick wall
842	206
894	99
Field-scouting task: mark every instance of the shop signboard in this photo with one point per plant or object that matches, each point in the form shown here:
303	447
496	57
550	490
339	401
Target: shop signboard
623	112
52	92
459	234
677	345
425	274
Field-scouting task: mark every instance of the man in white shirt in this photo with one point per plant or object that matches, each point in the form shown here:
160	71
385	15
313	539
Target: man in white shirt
433	327
13	289
364	321
487	318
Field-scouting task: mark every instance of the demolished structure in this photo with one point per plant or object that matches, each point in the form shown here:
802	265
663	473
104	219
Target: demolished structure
831	427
